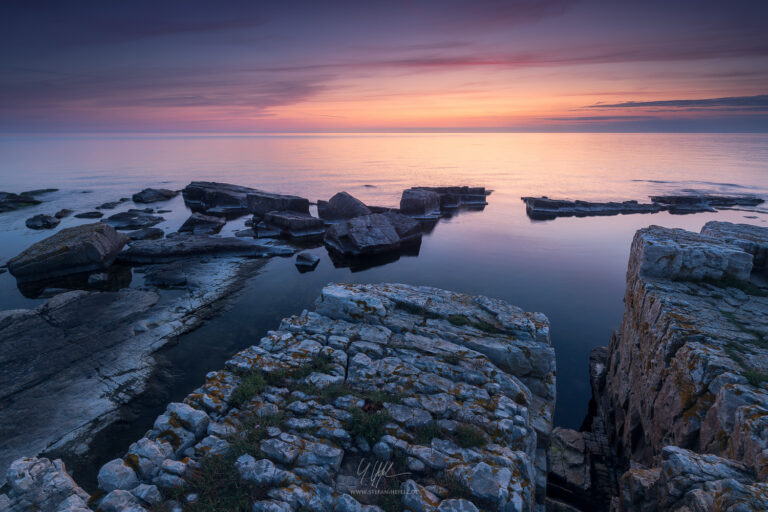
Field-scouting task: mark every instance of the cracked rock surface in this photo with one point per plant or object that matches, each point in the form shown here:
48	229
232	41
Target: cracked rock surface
386	397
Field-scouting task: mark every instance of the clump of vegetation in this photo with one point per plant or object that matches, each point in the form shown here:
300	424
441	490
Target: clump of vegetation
369	424
321	363
425	433
458	320
250	385
218	486
251	435
455	487
468	436
755	378
453	359
390	499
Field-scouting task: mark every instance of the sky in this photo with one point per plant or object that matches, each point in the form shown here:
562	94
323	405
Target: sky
383	66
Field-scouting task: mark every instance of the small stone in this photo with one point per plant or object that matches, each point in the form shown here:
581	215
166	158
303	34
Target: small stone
115	474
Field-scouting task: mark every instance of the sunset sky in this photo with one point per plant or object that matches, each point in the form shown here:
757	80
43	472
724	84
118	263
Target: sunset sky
370	65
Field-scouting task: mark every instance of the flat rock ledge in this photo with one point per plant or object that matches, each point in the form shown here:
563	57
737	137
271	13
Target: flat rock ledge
544	208
71	363
680	395
385	397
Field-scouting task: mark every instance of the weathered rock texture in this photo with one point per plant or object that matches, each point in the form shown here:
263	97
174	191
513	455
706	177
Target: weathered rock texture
70	364
455	392
200	224
686	372
456	196
42	221
260	203
373	234
133	219
71	250
42	485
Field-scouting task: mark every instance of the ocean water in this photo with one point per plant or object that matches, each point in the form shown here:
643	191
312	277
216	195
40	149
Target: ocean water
572	269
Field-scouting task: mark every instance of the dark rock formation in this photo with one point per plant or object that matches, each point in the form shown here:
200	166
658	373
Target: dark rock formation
260	203
373	234
454	197
133	219
341	206
703	203
200	224
42	221
294	224
543	208
78	249
63	213
153	195
10	201
146	234
169	275
89	215
167	249
216	198
419	202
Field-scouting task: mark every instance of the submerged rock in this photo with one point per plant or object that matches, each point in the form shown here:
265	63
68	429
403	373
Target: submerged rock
703	203
42	221
166	249
467	403
216	198
10	201
200	224
71	250
133	219
170	275
341	206
89	215
153	195
65	212
373	234
146	234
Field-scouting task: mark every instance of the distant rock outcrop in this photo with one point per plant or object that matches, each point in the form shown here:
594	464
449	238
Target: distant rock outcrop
153	195
216	198
341	206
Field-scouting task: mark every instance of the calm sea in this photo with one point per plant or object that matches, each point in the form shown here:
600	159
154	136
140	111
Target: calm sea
571	269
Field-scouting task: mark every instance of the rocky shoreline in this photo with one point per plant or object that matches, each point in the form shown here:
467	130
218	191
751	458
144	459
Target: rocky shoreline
450	396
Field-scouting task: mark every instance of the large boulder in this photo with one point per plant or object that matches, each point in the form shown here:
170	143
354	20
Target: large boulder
216	198
748	237
133	219
295	224
341	206
373	234
42	221
71	250
420	202
200	224
260	203
153	195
